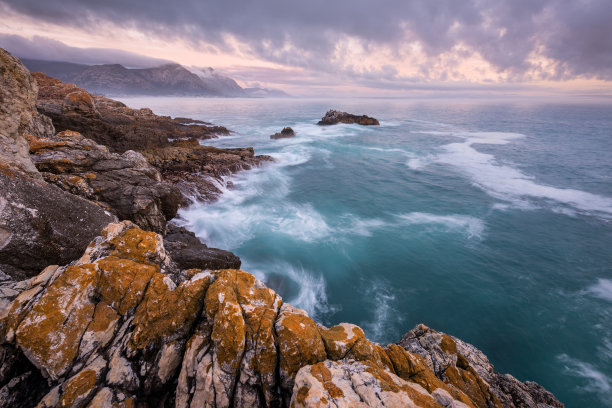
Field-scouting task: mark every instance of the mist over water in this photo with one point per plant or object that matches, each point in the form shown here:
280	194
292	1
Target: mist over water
488	221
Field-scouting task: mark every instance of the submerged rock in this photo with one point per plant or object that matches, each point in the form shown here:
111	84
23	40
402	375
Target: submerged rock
115	328
333	116
285	133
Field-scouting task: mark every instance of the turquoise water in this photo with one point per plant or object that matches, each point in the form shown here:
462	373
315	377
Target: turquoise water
488	221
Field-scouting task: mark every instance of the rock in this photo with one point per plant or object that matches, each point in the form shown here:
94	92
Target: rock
464	366
200	171
18	93
188	252
110	122
40	225
333	116
285	133
124	184
113	328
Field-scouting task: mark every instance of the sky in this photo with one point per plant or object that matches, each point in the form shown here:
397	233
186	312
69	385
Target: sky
392	48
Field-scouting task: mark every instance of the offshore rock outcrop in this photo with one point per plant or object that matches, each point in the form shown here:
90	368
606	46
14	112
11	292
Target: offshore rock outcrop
283	134
333	117
120	326
124	184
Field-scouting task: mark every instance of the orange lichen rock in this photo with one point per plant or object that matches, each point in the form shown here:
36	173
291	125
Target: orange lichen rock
356	384
112	329
154	323
299	343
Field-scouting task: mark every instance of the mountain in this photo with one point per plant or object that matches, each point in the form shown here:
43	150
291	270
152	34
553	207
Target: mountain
265	93
168	79
226	86
66	71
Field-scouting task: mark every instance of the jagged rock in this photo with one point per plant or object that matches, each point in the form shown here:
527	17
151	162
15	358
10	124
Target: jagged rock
333	116
124	184
199	171
109	122
18	93
285	133
464	366
188	252
113	328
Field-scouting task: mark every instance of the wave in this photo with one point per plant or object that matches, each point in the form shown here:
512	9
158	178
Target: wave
473	227
595	381
311	294
602	289
385	314
507	183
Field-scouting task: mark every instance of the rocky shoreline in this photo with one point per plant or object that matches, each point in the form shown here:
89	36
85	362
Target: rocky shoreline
103	303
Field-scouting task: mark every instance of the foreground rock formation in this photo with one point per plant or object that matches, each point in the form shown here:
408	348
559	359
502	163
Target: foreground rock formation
39	223
333	117
122	326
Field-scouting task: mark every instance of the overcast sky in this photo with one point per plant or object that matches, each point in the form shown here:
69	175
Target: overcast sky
348	47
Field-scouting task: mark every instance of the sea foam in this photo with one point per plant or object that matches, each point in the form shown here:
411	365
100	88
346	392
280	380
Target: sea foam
505	182
473	227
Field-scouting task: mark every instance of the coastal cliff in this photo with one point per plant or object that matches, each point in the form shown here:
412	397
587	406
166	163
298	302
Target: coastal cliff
133	318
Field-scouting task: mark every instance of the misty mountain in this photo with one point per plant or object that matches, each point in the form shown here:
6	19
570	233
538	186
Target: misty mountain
168	79
265	93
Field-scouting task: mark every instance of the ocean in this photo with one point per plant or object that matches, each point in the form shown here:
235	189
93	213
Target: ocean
487	220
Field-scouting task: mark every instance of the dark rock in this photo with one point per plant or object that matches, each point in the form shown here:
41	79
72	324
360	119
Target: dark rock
199	171
111	123
188	252
451	358
333	116
285	133
125	184
41	225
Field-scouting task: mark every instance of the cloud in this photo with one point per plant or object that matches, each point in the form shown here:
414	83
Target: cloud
517	39
48	49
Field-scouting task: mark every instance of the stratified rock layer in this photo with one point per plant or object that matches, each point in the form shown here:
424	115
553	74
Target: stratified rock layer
111	123
124	184
115	329
333	117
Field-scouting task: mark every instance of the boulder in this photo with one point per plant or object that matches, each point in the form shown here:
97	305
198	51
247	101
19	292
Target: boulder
40	224
124	184
188	252
333	117
285	133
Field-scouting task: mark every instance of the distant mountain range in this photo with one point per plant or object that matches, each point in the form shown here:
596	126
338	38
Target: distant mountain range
168	79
